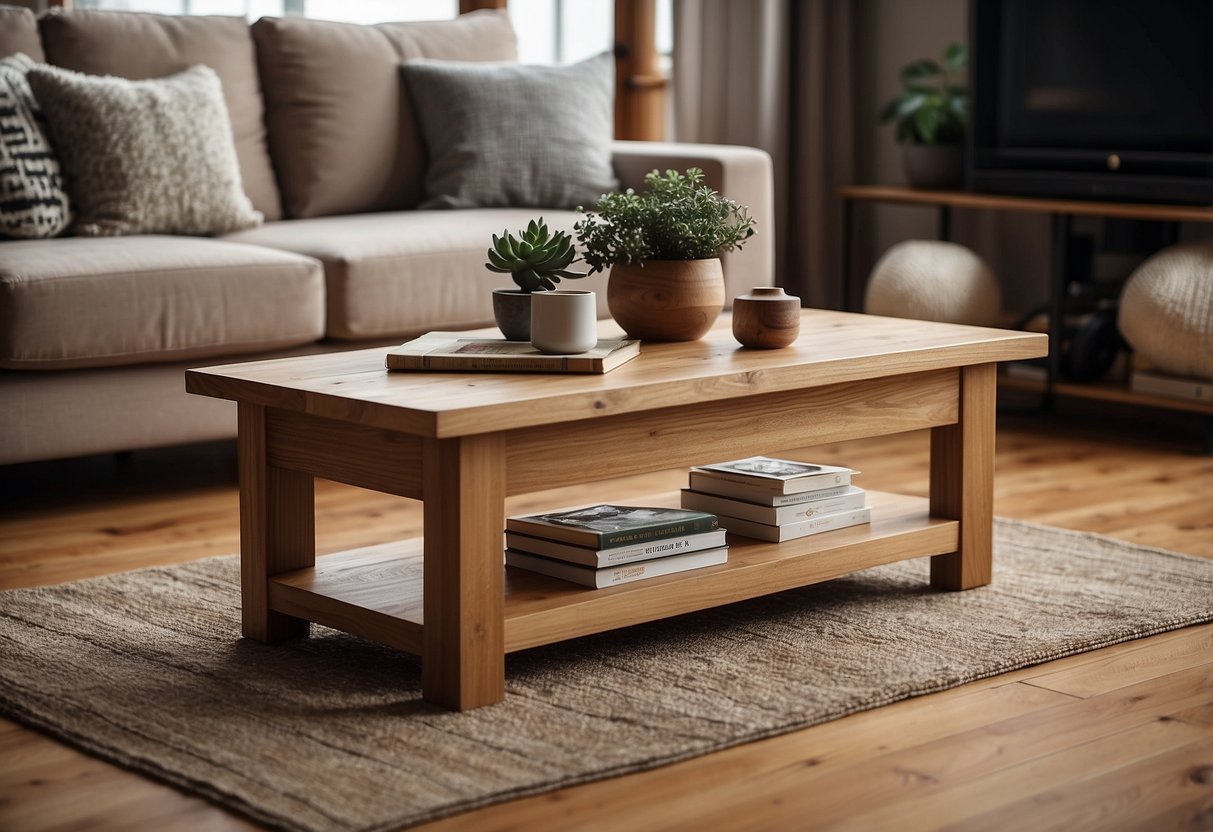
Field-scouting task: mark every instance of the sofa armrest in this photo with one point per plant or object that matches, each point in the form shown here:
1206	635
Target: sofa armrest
743	174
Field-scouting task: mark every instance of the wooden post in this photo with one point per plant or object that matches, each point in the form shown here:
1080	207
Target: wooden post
640	85
962	482
277	529
466	6
463	661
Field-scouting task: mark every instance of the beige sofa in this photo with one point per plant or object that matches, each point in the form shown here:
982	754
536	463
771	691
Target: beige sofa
95	332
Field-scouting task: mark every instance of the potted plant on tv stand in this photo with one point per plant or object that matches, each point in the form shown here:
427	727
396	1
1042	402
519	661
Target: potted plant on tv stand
932	114
663	248
537	260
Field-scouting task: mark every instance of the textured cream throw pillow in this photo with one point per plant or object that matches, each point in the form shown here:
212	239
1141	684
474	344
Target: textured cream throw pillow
145	157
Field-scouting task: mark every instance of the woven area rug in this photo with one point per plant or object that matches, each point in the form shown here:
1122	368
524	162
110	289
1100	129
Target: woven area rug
146	669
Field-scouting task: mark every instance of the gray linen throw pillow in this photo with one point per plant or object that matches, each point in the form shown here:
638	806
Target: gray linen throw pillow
33	202
145	157
514	136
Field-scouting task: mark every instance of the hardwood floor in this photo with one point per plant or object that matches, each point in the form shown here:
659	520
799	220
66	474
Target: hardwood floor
1120	738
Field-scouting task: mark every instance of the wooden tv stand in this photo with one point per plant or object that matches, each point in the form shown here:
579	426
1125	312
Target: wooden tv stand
1062	212
463	442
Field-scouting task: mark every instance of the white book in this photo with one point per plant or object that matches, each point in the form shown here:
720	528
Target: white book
1176	387
852	498
615	575
791	531
760	496
776	476
598	558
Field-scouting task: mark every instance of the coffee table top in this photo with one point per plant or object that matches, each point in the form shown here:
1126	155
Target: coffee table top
833	347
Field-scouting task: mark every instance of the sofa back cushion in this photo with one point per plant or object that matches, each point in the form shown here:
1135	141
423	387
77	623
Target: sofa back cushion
19	33
143	46
341	129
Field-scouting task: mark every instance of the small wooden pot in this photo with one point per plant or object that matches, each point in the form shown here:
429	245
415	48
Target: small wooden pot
666	300
766	319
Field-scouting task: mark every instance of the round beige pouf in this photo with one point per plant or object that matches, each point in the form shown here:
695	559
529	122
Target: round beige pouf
1166	310
934	281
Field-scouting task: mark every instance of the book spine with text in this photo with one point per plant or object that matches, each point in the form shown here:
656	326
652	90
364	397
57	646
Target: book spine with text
761	496
598	558
534	364
853	498
615	575
609	540
1176	388
791	531
774	486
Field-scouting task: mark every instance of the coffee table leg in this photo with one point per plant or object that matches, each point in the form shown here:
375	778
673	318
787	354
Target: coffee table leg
277	529
962	482
463	663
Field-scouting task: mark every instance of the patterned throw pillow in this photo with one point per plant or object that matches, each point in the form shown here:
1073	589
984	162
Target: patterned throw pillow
145	157
33	203
515	136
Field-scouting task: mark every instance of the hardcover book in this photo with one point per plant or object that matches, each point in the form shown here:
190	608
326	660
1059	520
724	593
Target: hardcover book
455	351
802	528
598	558
760	496
614	575
852	498
776	476
608	526
1192	389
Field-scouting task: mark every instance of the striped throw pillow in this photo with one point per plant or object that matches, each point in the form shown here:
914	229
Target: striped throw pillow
33	202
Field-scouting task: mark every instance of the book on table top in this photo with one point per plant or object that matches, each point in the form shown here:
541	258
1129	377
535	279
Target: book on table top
599	558
456	351
800	528
615	575
760	496
608	526
852	498
776	476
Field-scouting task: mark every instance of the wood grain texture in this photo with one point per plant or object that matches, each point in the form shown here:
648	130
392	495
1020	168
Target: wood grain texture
998	202
539	458
277	529
962	482
463	657
1081	468
833	347
666	300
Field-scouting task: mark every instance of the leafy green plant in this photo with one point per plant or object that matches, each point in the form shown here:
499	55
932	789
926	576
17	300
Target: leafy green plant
933	107
536	259
676	218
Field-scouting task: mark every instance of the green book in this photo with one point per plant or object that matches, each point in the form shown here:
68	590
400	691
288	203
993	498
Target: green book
605	526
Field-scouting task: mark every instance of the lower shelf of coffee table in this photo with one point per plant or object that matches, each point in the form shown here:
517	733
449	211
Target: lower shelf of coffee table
376	592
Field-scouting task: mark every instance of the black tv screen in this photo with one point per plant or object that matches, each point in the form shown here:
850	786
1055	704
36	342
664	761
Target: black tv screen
1094	98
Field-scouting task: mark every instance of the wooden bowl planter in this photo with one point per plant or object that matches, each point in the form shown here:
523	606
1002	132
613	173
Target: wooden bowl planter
666	300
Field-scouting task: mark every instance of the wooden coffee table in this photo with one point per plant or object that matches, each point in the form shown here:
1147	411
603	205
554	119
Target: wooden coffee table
463	442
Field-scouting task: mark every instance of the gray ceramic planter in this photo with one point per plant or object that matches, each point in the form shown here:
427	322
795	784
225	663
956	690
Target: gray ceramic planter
512	311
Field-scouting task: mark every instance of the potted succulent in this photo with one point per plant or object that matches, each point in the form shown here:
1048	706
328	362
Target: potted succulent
932	114
663	247
537	260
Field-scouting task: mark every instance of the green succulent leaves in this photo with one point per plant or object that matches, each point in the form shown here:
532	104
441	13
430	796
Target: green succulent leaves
676	218
536	259
933	107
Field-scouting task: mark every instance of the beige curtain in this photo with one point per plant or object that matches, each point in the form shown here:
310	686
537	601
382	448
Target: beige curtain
777	74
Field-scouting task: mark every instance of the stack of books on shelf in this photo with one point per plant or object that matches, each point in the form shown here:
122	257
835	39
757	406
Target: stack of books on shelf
777	499
605	545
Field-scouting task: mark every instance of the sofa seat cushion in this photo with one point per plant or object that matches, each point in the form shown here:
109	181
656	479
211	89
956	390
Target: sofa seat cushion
92	302
402	273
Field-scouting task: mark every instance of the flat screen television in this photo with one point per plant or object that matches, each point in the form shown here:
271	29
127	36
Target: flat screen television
1097	99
